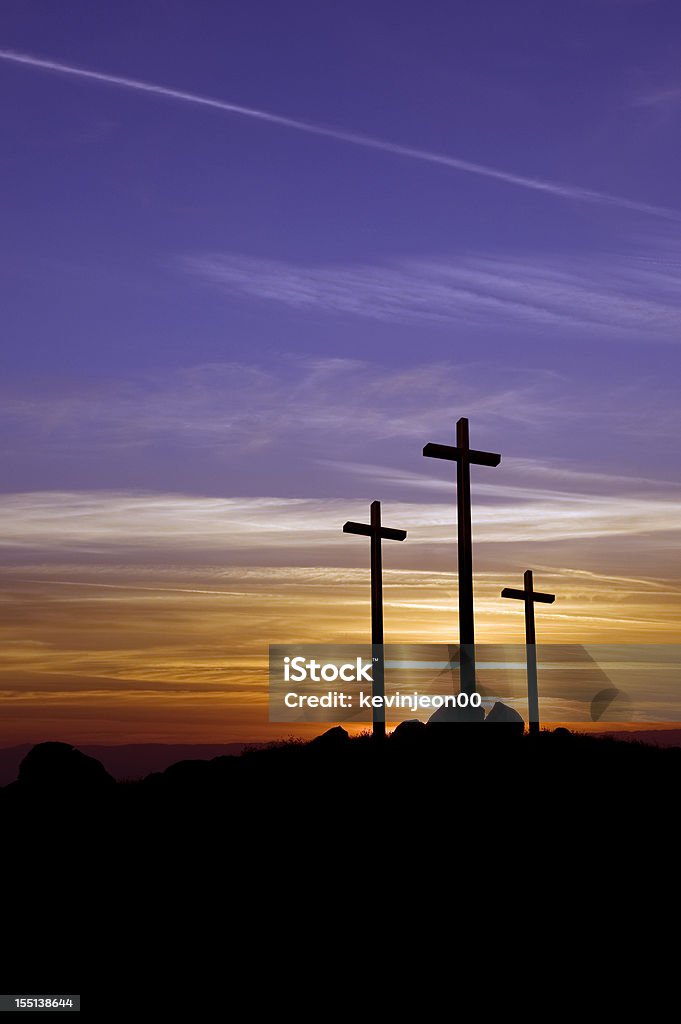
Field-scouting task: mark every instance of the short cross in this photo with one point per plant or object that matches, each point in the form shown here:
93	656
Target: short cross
377	532
529	595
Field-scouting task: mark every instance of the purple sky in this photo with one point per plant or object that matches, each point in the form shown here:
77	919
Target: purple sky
224	332
188	293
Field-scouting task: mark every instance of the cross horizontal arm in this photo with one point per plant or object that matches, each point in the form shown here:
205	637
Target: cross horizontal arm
447	451
520	595
363	528
386	533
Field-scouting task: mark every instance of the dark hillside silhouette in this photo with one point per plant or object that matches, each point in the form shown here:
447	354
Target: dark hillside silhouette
337	775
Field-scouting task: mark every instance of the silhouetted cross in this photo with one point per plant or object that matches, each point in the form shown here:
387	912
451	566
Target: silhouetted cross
529	595
464	456
377	532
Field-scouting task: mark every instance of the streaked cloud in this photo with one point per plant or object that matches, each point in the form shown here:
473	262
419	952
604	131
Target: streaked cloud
523	478
306	402
661	97
159	653
636	296
103	523
321	409
558	189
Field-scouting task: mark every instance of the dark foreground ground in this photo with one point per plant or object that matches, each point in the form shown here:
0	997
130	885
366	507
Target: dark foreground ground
227	862
434	771
421	777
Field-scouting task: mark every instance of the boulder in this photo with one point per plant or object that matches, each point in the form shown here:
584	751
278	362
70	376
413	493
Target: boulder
59	767
502	713
446	715
331	739
410	731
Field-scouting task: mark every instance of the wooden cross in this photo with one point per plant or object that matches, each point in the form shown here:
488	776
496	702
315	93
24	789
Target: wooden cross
529	595
464	456
377	532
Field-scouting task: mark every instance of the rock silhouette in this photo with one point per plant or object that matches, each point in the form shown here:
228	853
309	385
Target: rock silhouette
410	731
456	714
336	737
509	716
61	767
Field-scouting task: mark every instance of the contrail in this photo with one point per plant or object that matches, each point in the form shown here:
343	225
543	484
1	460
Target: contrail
559	189
154	590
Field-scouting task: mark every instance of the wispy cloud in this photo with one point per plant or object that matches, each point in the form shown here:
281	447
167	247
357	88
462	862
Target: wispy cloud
240	425
661	97
107	523
557	189
171	662
522	477
303	402
635	297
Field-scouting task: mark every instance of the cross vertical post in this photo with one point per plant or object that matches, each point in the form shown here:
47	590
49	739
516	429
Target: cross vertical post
465	537
376	575
464	456
529	596
378	533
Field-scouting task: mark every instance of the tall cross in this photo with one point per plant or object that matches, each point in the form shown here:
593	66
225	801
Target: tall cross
464	456
529	595
377	532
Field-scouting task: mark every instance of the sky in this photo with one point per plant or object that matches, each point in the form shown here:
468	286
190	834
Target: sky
254	257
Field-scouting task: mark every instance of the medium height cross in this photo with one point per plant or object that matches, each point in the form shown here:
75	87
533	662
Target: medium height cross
464	456
529	595
378	533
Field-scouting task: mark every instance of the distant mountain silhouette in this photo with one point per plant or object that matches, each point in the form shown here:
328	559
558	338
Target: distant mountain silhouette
653	737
